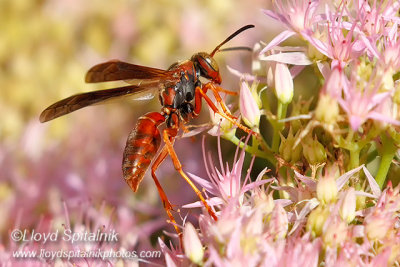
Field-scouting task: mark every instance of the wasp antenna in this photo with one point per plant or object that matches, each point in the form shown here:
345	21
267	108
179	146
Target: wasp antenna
230	37
236	48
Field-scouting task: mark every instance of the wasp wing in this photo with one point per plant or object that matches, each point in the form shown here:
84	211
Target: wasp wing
116	70
82	100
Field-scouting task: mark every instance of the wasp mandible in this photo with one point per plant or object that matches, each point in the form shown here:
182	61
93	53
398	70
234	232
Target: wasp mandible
180	93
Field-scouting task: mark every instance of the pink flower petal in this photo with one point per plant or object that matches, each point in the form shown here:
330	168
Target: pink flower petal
214	201
283	202
372	183
318	44
341	181
371	48
255	184
271	14
295	70
294	58
277	40
307	181
380	117
364	194
244	76
204	183
310	205
324	68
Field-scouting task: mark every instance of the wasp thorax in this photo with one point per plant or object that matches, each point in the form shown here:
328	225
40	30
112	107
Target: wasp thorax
207	66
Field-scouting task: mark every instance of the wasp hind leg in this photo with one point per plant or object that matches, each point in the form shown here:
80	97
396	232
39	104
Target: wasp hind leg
168	137
142	145
166	204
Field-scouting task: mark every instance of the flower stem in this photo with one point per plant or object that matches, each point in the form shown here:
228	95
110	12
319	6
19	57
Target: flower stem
388	152
353	146
354	157
280	114
253	150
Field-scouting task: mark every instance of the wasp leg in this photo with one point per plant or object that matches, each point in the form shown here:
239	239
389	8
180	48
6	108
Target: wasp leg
200	93
168	136
228	92
166	204
218	98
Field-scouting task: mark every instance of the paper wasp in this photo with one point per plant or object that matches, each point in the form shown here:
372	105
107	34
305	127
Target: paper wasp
180	93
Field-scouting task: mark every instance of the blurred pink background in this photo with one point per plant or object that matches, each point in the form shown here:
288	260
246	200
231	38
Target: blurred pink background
72	165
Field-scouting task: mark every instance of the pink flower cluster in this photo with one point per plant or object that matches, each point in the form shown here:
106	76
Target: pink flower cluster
329	199
320	222
356	46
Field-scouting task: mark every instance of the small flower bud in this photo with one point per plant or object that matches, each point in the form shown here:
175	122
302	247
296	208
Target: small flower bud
377	225
283	83
191	242
251	230
387	80
327	110
334	84
299	107
257	66
263	202
313	151
287	150
248	107
270	74
386	108
313	53
255	94
396	97
278	225
364	70
334	233
221	126
348	208
394	247
327	190
391	55
361	202
316	220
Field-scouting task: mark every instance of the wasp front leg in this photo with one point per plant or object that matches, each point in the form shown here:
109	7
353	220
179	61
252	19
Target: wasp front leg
220	89
216	89
201	93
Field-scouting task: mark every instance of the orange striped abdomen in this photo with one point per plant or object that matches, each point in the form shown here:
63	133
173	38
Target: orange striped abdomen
142	144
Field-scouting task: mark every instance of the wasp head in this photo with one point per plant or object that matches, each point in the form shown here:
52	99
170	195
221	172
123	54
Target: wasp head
207	66
205	63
